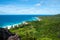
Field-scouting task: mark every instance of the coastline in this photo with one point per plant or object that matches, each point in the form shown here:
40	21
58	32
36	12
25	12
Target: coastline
21	23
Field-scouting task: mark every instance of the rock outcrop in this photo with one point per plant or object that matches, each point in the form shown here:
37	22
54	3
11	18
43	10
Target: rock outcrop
5	34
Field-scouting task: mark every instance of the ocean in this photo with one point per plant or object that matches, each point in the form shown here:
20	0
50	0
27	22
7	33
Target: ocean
6	20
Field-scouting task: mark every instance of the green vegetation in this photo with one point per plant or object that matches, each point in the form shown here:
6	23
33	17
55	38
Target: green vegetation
46	29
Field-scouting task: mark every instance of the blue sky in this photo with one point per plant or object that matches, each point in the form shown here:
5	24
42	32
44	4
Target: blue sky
27	7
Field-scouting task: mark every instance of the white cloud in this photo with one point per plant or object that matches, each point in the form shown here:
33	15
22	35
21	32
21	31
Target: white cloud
11	9
38	5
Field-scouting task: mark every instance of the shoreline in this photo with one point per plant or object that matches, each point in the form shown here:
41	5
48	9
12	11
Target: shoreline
21	23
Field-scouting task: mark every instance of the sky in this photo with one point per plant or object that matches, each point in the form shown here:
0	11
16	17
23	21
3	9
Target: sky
29	7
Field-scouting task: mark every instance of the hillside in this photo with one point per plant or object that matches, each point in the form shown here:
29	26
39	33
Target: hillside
46	29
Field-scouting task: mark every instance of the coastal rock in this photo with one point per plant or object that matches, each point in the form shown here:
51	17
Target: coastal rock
15	37
5	34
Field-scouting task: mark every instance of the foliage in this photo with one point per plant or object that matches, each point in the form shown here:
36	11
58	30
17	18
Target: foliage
46	29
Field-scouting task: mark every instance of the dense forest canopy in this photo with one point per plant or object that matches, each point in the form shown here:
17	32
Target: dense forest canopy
48	28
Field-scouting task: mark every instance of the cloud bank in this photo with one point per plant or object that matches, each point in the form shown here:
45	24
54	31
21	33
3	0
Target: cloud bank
39	8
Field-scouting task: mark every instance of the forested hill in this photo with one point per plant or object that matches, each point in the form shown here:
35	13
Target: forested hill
48	28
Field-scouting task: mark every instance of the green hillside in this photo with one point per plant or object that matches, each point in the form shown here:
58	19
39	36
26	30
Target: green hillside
46	29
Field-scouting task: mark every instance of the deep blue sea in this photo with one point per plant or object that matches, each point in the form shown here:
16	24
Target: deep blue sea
14	19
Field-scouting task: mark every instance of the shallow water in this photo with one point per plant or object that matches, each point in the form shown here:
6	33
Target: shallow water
14	19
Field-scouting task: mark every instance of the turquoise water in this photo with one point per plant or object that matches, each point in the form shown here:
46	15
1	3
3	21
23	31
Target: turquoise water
15	19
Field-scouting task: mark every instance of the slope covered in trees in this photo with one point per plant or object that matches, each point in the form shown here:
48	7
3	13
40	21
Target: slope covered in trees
46	29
